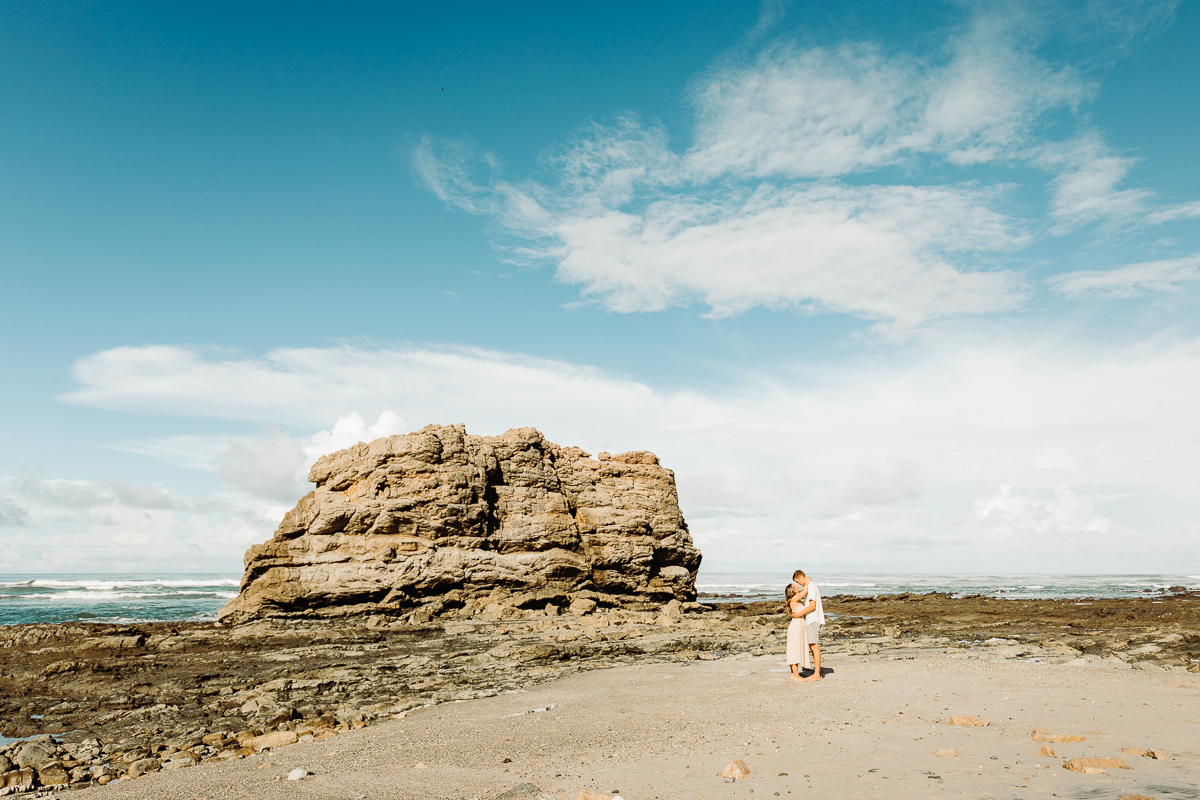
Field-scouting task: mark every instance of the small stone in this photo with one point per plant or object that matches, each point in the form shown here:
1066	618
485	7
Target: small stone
1041	735
298	774
521	790
1092	766
953	753
1046	750
581	606
272	740
419	765
142	766
1158	755
735	769
965	721
1133	751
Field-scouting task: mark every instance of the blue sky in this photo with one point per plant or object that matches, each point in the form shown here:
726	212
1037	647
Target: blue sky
889	286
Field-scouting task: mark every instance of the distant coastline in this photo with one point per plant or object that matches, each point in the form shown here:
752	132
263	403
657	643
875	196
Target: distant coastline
196	597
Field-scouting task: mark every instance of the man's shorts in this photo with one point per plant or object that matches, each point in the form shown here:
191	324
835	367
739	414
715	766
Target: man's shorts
814	633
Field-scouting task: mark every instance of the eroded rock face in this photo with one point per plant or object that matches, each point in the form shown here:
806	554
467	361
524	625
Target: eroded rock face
439	519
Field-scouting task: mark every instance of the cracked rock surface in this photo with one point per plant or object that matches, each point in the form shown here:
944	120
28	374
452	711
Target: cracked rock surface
417	524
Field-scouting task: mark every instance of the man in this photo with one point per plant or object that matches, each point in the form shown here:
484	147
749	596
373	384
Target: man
814	617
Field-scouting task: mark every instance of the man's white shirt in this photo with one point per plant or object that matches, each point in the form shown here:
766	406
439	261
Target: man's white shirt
817	615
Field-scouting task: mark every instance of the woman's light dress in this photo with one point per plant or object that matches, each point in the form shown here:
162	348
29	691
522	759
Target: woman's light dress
797	643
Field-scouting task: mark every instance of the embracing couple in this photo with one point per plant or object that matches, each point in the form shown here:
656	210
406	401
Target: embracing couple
803	600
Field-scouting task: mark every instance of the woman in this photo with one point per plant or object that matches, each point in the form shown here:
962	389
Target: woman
797	634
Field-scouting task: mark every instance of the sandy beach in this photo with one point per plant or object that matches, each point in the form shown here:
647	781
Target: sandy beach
870	729
638	703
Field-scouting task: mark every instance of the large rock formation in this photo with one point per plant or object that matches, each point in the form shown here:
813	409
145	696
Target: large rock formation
440	522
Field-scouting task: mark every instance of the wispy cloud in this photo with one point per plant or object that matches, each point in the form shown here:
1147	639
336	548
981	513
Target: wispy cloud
1132	280
1084	189
771	206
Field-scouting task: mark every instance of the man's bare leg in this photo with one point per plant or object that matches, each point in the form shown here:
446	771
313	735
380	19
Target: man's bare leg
816	651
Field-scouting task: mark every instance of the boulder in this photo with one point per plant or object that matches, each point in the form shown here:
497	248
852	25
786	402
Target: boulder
143	765
1046	750
269	741
735	769
435	521
52	773
34	755
18	780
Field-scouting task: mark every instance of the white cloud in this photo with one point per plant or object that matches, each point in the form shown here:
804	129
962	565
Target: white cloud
268	466
879	252
76	525
194	452
1132	280
352	429
83	494
1084	190
306	387
805	113
1170	213
274	466
1019	518
868	485
12	515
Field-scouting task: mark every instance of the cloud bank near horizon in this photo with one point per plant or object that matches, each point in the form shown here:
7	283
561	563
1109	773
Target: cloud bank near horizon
948	461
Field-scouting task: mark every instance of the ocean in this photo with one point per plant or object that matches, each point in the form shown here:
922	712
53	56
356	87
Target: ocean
114	598
197	597
749	587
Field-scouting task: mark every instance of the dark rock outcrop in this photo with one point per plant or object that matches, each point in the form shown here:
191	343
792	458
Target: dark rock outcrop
439	521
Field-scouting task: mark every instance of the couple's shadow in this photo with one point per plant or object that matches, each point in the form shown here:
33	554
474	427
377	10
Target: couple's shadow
825	672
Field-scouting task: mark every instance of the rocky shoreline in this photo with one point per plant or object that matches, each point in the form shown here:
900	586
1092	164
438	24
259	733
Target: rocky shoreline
112	702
